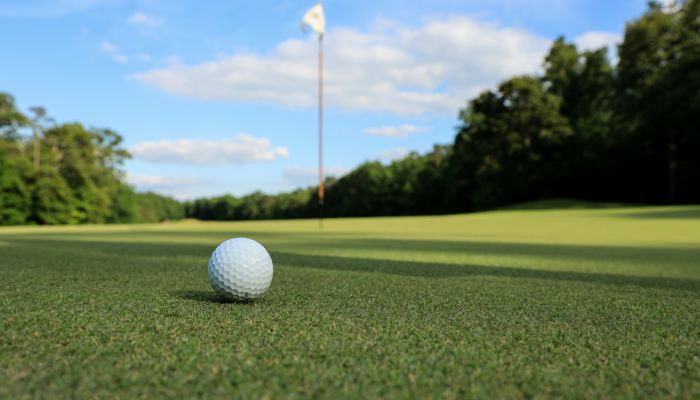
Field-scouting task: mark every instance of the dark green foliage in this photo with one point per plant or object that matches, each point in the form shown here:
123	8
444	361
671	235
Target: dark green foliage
53	201
84	161
253	206
14	194
152	207
68	174
413	185
125	207
364	191
659	85
584	82
508	144
11	120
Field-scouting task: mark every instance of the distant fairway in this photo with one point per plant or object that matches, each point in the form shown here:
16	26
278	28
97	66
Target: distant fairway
519	303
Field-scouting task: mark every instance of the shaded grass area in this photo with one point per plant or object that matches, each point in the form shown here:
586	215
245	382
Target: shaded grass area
561	204
681	257
675	213
358	312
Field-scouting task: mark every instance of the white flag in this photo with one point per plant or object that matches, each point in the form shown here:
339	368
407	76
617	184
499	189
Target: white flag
315	19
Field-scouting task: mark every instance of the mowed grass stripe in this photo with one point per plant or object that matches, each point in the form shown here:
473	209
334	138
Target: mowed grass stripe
361	310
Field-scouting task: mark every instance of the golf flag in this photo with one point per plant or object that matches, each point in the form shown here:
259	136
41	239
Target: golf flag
315	19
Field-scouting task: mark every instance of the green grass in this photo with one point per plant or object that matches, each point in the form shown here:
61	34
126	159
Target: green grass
517	303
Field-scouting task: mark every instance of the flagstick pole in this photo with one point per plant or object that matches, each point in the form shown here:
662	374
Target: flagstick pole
320	132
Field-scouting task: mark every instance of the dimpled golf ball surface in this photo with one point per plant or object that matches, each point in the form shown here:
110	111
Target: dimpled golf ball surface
240	269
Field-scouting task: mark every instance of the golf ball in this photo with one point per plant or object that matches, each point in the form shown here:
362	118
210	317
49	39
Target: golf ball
240	269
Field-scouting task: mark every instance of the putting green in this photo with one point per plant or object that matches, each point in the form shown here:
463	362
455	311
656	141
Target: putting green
577	302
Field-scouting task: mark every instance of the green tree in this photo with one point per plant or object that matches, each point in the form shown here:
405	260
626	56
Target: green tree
658	86
584	84
88	161
52	200
124	205
76	176
153	207
15	202
362	192
562	68
508	144
431	195
11	119
38	122
682	82
14	195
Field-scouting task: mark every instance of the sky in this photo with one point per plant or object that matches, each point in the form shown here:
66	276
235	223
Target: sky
220	97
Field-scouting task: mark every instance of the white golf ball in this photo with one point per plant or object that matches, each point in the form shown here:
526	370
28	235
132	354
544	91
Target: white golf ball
240	269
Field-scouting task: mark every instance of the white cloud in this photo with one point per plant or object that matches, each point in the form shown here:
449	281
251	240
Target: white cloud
108	47
175	186
395	131
142	19
671	5
393	154
158	181
240	149
435	67
309	175
594	40
113	51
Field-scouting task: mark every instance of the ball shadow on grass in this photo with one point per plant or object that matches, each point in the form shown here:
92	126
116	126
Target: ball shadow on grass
206	296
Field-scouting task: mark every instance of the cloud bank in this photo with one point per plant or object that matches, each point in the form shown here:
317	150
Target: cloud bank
395	131
432	68
241	149
158	181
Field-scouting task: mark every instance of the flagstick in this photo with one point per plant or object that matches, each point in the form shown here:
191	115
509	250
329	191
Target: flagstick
320	131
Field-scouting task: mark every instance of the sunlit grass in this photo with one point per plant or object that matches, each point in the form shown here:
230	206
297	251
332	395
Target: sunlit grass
575	302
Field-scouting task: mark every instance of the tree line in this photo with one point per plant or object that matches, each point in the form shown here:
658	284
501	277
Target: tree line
585	128
67	174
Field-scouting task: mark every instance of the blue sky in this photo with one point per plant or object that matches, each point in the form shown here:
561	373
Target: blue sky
219	96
